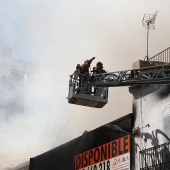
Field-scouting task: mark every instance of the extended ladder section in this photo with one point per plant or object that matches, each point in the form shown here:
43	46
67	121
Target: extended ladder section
147	75
92	90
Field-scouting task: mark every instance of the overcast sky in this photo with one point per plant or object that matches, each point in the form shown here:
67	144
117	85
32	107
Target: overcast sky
59	35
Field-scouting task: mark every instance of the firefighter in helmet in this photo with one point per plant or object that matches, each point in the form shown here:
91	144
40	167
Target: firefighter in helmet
85	67
84	71
100	69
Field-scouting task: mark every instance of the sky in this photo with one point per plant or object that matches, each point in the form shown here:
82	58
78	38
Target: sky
57	35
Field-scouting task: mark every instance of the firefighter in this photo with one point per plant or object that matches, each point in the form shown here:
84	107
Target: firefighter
84	70
100	69
85	67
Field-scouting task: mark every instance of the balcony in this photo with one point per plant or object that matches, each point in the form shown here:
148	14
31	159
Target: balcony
155	158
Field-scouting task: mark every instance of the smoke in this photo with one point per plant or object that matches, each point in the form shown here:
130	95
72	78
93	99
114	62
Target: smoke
55	36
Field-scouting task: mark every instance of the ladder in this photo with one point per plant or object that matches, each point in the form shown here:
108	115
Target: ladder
147	75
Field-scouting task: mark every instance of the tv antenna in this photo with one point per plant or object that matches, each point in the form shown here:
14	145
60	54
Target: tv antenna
148	23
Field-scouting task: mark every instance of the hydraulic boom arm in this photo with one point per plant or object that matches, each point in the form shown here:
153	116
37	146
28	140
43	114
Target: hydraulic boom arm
147	75
92	90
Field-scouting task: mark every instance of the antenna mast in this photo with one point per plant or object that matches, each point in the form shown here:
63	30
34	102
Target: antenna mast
148	23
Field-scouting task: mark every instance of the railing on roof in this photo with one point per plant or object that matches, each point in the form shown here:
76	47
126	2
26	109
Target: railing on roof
155	158
163	56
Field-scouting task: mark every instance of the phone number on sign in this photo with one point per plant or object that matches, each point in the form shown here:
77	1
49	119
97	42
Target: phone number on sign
100	166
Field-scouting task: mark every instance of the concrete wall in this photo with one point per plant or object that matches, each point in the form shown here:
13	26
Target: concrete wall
151	105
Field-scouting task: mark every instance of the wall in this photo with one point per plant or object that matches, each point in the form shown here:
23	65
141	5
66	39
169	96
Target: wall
151	105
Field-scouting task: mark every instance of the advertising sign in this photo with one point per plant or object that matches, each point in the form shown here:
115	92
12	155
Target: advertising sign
114	155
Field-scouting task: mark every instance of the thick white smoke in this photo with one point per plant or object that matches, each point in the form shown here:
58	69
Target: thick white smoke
55	36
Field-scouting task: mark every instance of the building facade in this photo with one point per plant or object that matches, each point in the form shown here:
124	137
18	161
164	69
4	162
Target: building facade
13	80
151	109
104	148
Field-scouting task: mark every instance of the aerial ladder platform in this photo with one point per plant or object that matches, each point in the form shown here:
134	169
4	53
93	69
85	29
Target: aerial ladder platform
92	89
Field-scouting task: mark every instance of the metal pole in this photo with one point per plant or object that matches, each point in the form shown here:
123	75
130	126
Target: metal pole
147	56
